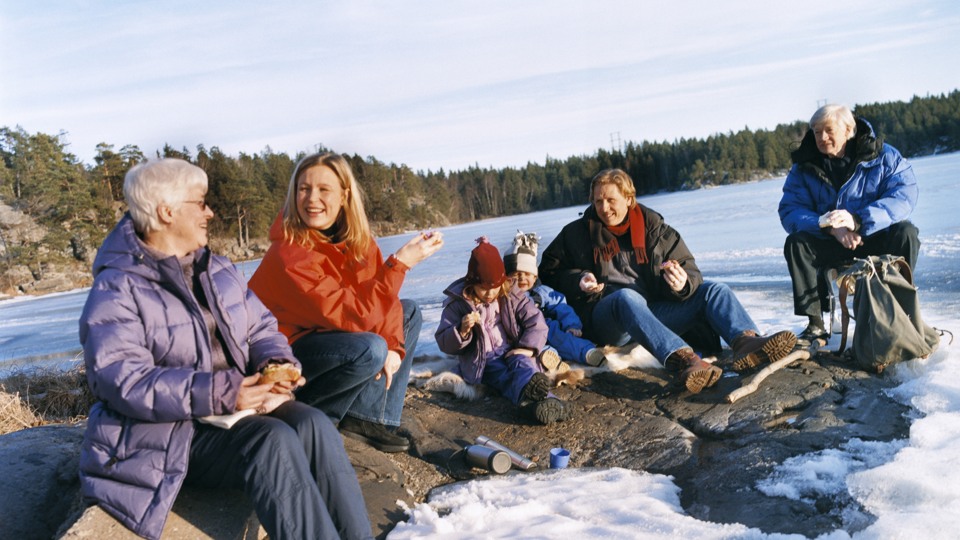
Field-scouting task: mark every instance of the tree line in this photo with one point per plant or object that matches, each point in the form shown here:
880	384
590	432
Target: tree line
73	204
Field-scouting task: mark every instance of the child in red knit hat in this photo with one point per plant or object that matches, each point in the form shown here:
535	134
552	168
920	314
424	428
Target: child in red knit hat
496	332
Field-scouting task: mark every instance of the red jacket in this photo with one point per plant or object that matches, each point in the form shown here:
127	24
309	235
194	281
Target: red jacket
319	290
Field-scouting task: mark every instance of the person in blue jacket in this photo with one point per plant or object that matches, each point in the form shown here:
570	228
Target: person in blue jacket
566	328
847	195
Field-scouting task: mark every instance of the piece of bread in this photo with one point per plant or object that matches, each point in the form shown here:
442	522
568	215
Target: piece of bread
274	373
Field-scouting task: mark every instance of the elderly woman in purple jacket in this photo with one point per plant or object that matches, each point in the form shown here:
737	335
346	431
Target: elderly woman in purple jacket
172	338
497	332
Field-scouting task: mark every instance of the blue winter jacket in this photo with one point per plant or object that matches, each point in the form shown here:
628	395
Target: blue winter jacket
881	189
554	306
523	327
148	360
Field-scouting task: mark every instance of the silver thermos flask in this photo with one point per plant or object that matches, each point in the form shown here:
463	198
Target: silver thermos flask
520	462
491	459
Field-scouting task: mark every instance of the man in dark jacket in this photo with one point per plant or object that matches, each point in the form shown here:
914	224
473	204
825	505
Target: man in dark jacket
631	277
847	195
174	344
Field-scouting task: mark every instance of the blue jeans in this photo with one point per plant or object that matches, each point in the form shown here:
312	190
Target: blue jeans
567	345
626	316
341	369
292	465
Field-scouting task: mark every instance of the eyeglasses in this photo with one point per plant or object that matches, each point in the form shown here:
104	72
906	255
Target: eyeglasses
201	203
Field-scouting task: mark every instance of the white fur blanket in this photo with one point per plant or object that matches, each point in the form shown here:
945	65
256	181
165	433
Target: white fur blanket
436	373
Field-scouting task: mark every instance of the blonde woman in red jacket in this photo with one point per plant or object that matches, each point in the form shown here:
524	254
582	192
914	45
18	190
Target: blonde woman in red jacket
337	300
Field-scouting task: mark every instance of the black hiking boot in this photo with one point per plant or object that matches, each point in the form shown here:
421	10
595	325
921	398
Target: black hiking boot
537	388
551	410
374	434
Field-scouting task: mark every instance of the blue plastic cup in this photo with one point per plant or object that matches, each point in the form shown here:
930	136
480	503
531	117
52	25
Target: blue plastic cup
559	458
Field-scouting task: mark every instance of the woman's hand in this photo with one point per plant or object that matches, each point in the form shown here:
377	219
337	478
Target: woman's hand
575	332
419	248
674	275
287	387
390	366
272	401
253	395
589	285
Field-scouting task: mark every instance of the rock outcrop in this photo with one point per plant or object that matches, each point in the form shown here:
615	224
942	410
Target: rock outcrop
636	419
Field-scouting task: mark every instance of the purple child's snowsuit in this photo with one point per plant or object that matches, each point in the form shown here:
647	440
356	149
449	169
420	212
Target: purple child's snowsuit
481	357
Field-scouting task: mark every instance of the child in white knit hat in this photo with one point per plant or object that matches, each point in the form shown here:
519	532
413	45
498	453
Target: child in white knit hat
565	326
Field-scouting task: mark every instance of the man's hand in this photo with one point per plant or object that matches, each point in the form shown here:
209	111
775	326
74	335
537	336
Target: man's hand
674	275
589	285
847	238
838	219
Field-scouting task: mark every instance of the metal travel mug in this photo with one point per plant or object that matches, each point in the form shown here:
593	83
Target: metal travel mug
493	460
518	461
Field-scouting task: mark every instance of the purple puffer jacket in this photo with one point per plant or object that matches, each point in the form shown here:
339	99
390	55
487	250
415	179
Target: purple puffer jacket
147	355
523	326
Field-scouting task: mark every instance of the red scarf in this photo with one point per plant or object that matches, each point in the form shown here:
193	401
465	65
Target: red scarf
608	244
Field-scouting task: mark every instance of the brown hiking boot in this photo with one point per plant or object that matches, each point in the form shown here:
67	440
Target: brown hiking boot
695	374
751	350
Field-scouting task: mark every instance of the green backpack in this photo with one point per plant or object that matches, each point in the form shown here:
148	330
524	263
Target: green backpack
889	328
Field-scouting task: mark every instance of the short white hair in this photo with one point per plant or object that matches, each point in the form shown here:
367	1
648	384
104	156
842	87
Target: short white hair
159	182
839	114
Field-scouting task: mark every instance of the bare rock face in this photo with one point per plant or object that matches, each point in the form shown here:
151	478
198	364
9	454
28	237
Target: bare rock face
38	479
716	452
635	419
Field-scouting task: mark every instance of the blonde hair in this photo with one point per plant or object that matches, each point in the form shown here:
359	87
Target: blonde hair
352	226
470	291
618	178
839	114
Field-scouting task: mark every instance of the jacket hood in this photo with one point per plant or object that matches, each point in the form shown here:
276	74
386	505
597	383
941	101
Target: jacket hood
123	250
863	147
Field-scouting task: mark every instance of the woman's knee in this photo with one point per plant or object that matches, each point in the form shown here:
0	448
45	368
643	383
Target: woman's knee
370	350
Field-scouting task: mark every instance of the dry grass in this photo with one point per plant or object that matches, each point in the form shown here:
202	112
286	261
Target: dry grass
43	397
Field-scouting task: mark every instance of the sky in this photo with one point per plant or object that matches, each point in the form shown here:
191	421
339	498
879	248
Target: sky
451	84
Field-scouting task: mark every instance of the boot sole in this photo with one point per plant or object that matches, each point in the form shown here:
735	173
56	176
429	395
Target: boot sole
537	388
704	378
551	410
550	360
778	346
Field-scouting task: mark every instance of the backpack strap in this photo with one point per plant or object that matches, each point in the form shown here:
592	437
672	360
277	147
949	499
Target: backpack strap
845	284
904	269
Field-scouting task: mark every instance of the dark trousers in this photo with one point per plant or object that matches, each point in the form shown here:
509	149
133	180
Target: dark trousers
341	369
808	253
509	374
292	465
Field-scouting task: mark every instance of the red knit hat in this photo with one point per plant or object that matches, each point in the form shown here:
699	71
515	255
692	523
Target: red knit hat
485	267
